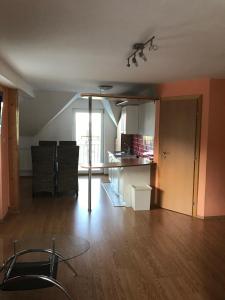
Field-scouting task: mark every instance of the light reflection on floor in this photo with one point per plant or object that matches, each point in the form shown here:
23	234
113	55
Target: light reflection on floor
83	192
86	223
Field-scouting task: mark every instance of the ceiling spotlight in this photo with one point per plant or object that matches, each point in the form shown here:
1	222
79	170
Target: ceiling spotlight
142	55
153	47
138	49
134	61
105	87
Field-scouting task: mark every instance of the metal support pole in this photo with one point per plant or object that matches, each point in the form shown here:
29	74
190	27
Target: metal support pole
14	246
90	152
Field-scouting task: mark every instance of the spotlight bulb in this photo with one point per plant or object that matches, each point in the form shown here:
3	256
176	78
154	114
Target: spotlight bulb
142	55
134	61
153	47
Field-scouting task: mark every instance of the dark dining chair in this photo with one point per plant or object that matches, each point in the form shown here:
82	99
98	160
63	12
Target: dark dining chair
67	143
67	177
44	169
31	275
48	143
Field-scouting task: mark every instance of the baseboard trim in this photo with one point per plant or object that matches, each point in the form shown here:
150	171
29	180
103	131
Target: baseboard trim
4	218
25	173
13	211
200	217
222	217
177	212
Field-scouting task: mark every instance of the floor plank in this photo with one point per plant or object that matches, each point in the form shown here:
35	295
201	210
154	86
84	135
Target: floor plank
134	255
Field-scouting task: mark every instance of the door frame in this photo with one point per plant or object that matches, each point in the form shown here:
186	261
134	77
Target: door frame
198	99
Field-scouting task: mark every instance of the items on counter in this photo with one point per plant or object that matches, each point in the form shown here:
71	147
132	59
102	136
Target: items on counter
139	145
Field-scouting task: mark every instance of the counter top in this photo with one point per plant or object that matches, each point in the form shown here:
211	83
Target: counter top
121	154
121	163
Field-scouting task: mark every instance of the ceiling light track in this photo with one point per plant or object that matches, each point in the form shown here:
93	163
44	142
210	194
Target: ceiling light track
105	87
138	49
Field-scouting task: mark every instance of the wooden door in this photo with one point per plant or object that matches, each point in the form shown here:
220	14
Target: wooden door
177	154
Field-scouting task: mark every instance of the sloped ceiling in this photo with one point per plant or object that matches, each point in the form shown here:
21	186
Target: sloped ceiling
113	111
36	112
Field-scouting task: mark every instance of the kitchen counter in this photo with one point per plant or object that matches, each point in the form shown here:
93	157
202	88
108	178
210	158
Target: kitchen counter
124	171
121	162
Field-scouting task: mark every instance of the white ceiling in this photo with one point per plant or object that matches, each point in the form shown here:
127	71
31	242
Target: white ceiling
68	44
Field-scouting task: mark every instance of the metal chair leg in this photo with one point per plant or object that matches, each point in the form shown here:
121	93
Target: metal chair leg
58	285
2	267
67	263
71	268
45	278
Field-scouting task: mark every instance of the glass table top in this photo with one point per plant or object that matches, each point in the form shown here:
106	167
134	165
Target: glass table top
66	247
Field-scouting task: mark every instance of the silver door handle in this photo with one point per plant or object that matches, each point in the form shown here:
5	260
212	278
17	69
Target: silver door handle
165	153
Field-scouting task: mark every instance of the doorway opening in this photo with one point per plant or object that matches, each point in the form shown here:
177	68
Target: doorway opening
81	135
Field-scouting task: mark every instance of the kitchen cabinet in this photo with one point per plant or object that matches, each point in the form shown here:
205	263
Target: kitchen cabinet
146	119
139	119
123	178
128	124
114	174
139	176
129	120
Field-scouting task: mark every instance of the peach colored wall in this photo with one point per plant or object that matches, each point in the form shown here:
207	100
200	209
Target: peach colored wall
4	161
2	208
199	87
215	180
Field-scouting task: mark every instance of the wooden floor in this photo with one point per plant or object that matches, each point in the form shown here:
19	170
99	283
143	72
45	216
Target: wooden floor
134	255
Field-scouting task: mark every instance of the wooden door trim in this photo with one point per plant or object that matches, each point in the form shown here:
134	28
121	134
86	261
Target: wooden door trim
187	97
10	100
2	89
198	99
13	135
197	155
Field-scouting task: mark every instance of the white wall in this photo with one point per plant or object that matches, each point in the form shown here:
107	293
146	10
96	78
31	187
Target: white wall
36	112
58	129
11	78
146	117
25	155
61	128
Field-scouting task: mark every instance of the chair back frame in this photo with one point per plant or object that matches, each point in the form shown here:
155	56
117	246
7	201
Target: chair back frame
54	256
